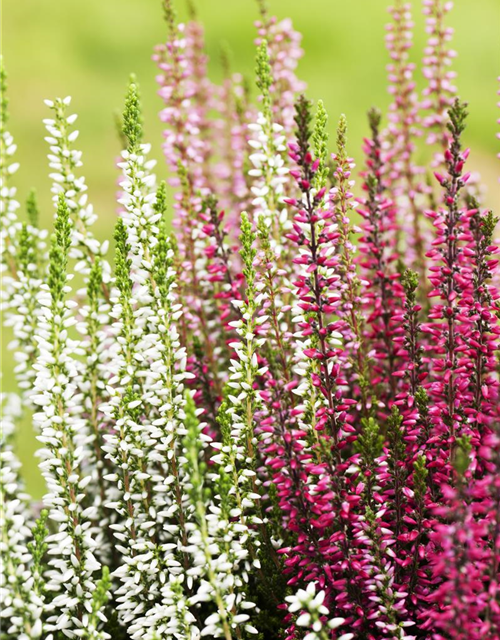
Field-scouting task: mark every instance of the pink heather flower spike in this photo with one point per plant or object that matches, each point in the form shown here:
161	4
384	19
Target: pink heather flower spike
440	91
283	43
231	130
402	176
203	261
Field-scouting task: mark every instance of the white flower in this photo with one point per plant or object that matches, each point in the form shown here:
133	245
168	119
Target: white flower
310	604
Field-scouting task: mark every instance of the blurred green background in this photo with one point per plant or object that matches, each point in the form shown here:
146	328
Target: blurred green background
88	49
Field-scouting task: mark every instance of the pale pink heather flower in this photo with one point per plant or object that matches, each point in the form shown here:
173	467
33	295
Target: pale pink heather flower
440	90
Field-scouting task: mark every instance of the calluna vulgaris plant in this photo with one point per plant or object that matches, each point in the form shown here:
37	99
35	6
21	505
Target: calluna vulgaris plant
281	420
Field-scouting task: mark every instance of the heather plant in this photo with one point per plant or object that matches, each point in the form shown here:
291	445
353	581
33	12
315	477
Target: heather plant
279	418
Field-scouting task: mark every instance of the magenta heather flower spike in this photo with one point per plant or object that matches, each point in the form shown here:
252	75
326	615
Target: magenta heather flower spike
464	552
219	269
377	255
451	278
323	416
317	284
483	331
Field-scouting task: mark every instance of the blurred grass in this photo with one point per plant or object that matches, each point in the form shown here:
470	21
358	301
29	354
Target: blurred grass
88	49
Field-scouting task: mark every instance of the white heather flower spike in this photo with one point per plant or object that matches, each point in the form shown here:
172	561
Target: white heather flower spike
97	345
309	605
21	601
127	448
73	566
238	450
91	378
156	348
146	403
22	309
269	172
64	161
21	246
216	545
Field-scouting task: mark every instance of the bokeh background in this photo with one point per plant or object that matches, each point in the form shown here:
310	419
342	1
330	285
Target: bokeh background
88	49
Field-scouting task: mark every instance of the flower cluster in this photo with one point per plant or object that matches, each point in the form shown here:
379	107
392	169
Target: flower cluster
440	92
281	419
403	179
